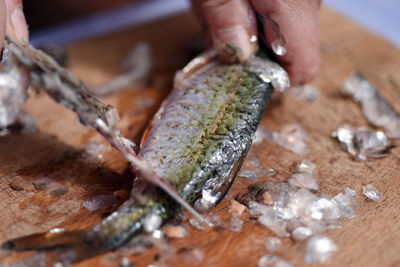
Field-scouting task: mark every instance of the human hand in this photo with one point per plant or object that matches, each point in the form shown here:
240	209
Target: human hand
232	23
12	21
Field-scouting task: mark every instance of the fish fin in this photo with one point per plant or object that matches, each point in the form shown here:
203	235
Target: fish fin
198	62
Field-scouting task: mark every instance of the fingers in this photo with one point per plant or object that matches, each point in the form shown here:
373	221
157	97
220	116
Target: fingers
232	26
299	24
16	25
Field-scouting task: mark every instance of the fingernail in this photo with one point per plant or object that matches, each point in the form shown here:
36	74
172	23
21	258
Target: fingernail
278	47
237	37
18	25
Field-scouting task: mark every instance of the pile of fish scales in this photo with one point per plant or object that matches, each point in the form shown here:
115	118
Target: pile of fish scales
296	212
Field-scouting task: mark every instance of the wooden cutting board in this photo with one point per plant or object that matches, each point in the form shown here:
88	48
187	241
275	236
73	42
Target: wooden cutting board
55	151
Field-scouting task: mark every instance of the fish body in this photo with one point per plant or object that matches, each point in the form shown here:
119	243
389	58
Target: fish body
205	127
196	142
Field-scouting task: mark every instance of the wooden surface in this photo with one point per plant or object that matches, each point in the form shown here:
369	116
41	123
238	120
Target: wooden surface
55	151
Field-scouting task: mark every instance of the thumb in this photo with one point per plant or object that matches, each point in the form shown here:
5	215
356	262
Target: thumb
231	24
16	26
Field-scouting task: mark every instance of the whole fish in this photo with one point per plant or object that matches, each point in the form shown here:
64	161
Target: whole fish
195	144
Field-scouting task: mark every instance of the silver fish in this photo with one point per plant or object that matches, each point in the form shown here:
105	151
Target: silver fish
196	142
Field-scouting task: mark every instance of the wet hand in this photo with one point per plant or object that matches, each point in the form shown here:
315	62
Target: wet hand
233	30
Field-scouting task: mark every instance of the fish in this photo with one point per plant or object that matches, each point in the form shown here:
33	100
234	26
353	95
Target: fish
194	145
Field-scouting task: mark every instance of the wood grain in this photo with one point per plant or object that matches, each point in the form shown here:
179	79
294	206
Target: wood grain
55	151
